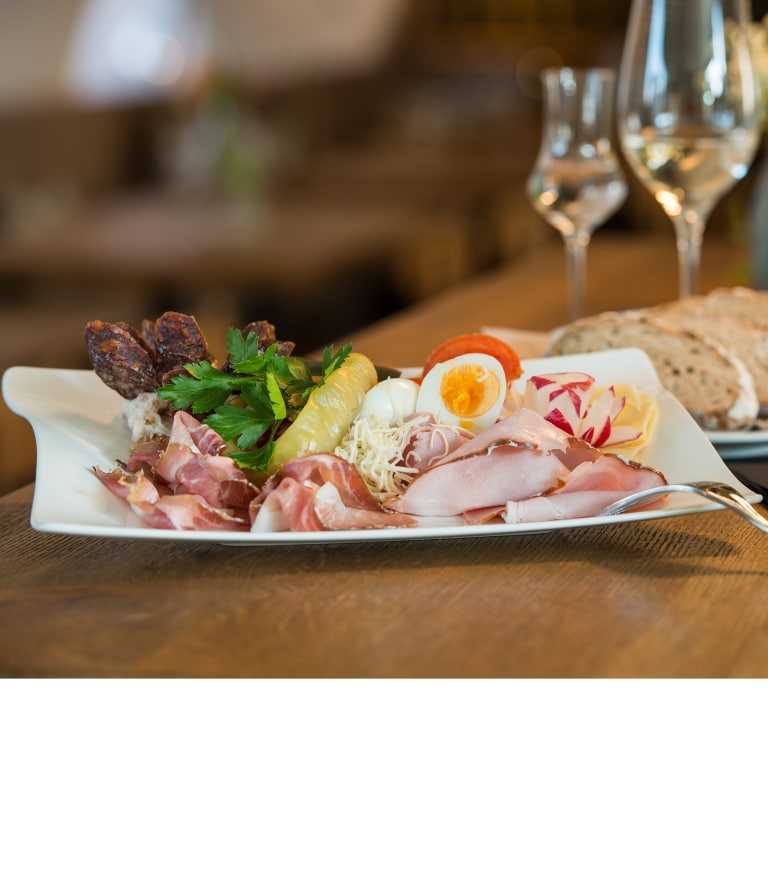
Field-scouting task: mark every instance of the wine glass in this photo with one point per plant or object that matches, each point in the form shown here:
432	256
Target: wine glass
689	111
577	182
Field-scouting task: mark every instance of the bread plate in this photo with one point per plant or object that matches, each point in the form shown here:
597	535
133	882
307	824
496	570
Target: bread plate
78	423
739	444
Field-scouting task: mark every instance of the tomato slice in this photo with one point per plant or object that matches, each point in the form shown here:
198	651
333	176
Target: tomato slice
477	342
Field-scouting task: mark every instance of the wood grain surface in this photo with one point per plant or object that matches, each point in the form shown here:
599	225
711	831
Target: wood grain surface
683	597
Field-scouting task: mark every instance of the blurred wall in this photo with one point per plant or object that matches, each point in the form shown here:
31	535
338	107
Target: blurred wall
277	41
269	41
34	40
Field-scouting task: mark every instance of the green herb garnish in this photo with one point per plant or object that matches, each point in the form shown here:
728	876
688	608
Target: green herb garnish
249	401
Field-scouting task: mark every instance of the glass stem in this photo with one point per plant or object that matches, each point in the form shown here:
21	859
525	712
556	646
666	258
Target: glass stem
689	230
576	257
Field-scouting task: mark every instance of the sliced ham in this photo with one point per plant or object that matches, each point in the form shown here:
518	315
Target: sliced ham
148	452
517	464
521	469
430	441
320	492
189	512
319	468
124	483
514	459
484	479
524	428
335	514
591	486
192	464
161	509
287	507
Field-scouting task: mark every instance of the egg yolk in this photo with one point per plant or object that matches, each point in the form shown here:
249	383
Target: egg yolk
469	390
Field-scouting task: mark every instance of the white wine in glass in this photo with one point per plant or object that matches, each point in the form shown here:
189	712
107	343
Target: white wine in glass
577	182
689	111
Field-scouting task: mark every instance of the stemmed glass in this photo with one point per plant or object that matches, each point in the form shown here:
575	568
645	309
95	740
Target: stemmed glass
577	182
689	111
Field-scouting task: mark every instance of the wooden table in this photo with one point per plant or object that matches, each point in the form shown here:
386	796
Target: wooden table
622	270
685	597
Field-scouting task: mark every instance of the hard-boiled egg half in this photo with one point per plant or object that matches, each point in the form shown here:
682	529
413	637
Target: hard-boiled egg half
466	391
391	400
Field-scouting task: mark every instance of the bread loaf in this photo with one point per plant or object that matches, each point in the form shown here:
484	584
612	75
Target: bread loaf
711	382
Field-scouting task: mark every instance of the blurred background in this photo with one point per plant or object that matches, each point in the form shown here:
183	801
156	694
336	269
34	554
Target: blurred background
317	163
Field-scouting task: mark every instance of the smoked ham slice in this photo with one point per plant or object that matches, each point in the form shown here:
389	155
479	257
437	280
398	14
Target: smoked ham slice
522	458
592	485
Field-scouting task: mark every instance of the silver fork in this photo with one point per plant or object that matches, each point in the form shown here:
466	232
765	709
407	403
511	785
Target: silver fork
717	491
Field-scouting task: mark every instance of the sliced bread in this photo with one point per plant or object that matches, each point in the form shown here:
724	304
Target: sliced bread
739	302
718	318
710	382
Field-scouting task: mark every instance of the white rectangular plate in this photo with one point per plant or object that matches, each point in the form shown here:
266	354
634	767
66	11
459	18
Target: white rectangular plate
78	424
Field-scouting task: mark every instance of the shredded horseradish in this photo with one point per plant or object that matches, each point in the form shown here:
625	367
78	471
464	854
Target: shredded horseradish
376	449
147	416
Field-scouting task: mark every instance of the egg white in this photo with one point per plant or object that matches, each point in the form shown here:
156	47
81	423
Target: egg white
430	398
391	400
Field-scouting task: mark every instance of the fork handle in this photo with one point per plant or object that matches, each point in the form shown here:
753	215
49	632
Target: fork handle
731	498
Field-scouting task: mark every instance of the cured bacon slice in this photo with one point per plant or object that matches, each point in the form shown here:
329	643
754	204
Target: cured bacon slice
125	484
321	492
320	468
192	464
196	487
160	509
190	512
287	507
335	513
146	452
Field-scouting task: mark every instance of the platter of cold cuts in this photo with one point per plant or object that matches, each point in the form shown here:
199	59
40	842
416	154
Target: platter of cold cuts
543	451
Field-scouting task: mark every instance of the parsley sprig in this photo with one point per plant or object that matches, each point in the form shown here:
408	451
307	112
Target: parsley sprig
248	401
